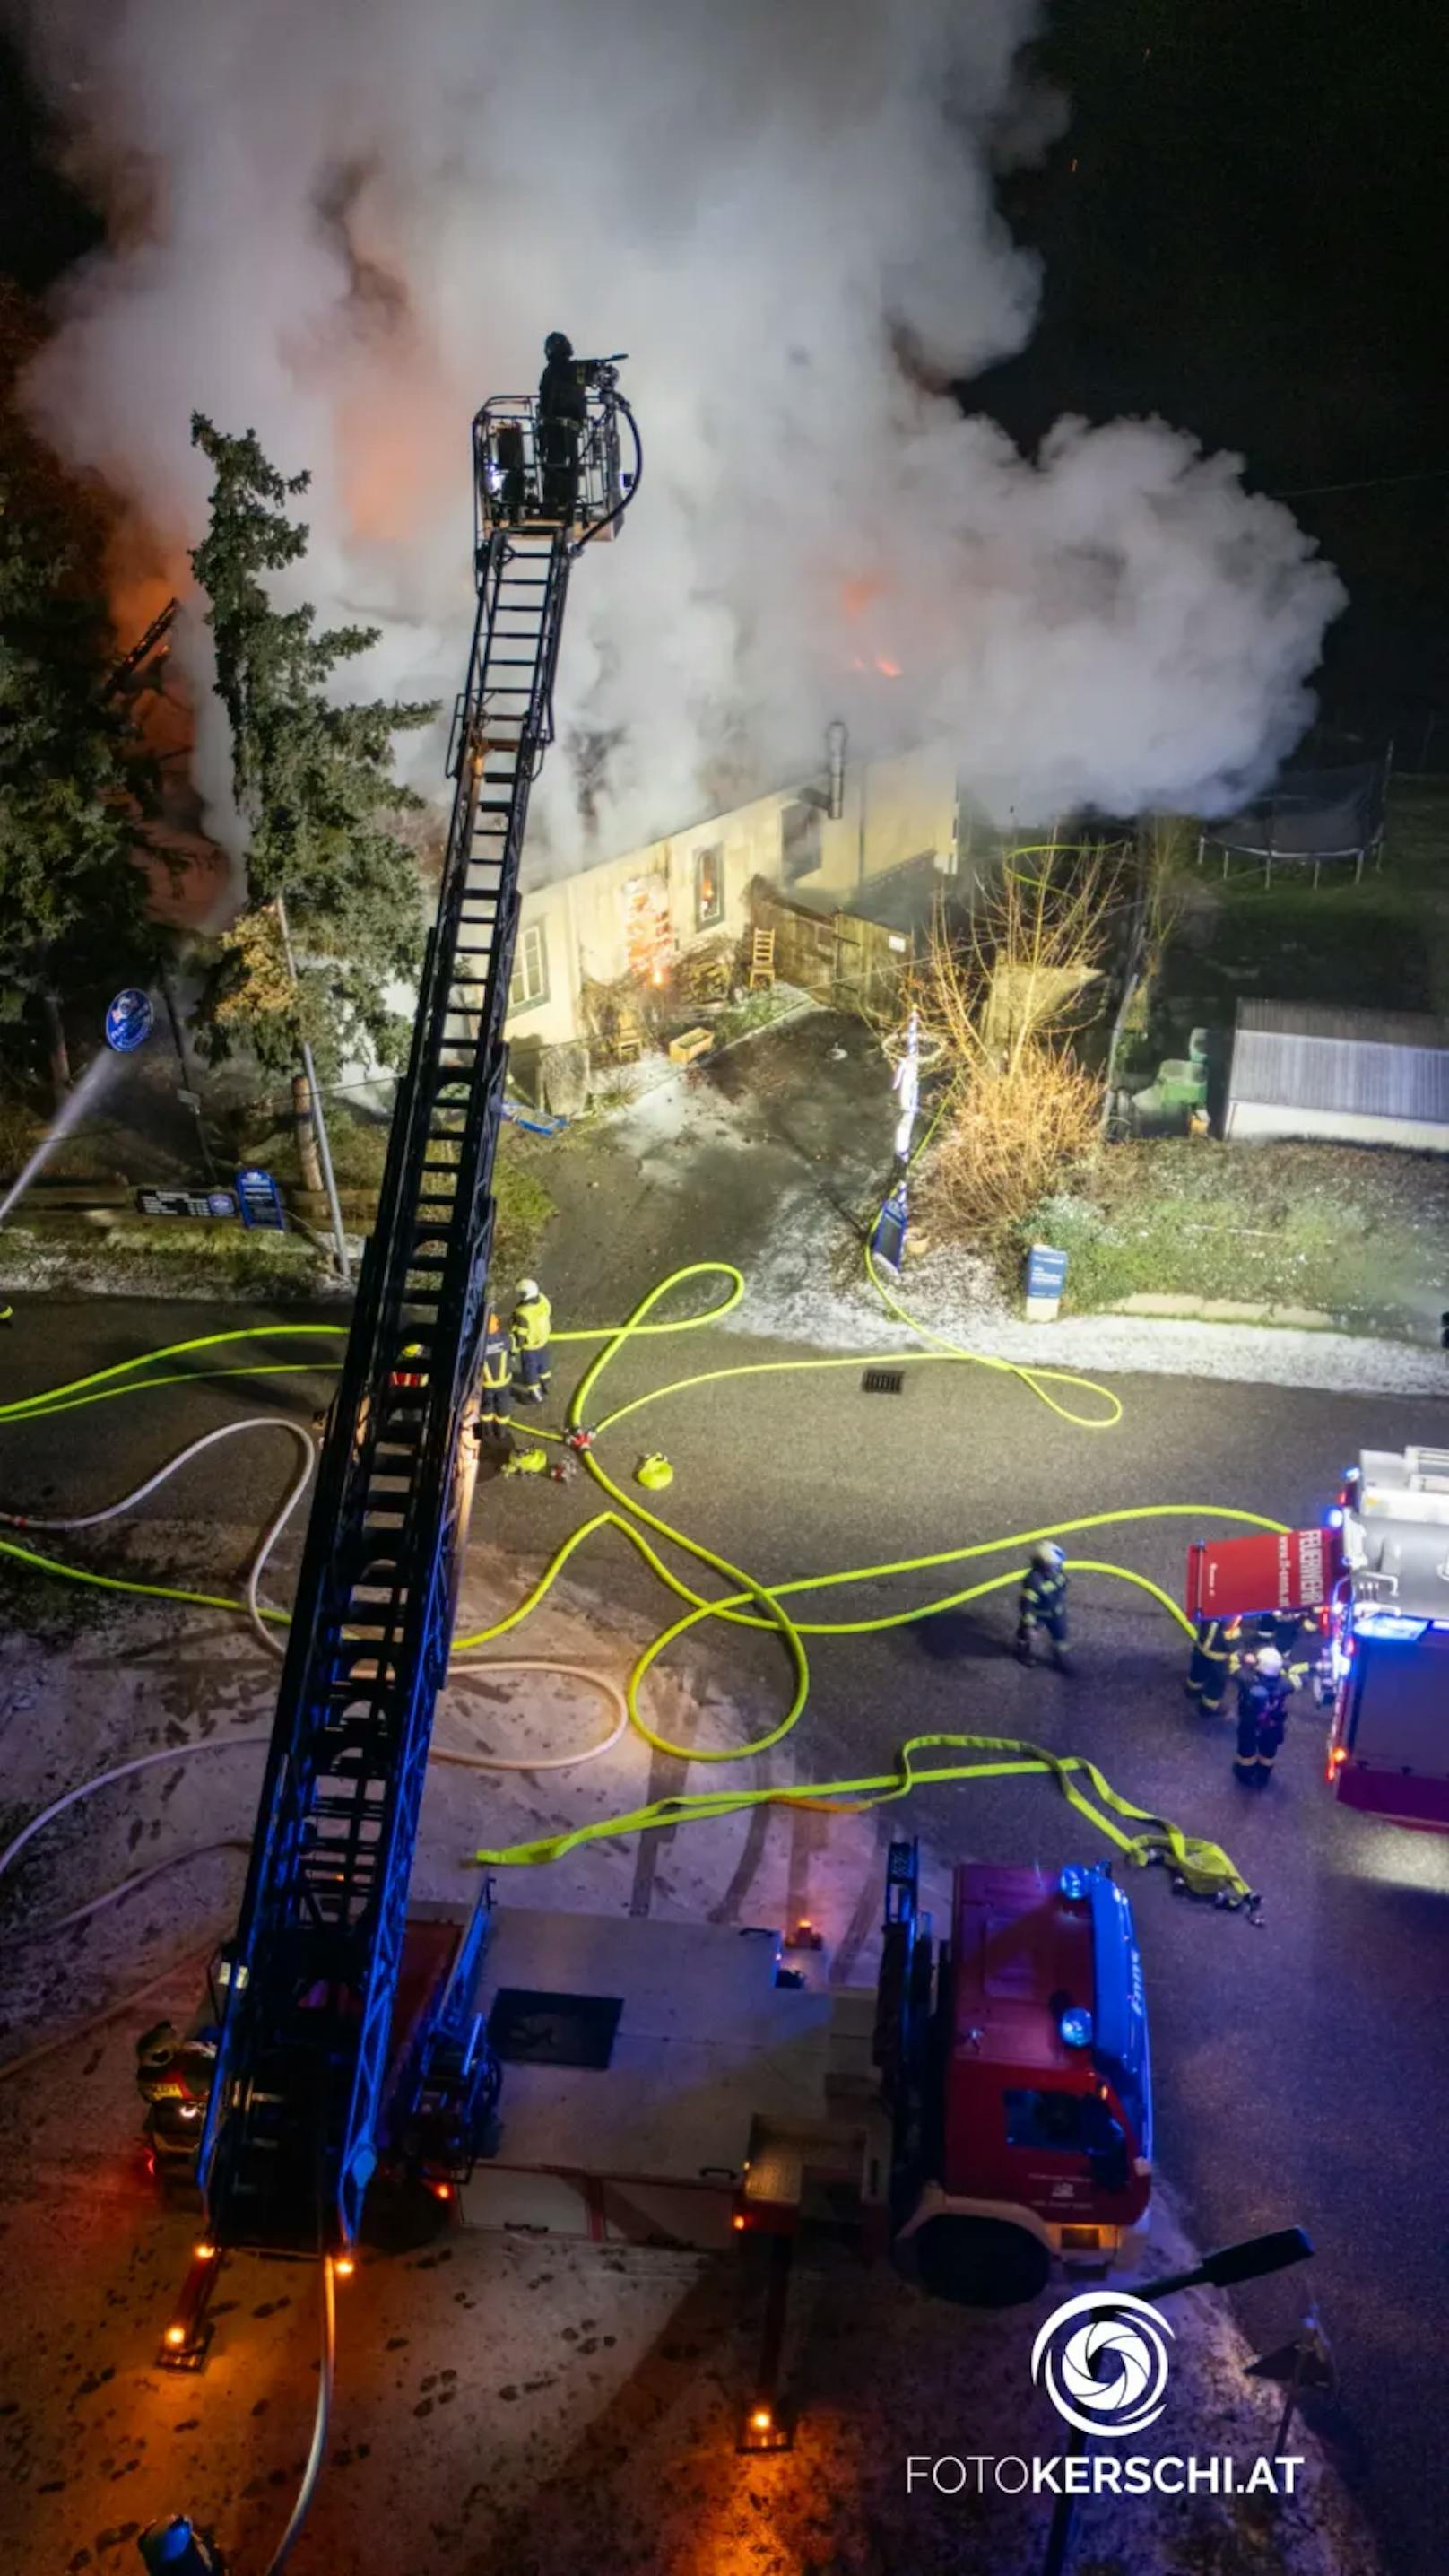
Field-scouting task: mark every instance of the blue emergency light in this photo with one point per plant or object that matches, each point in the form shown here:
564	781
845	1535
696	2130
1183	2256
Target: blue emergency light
1074	1882
1075	2027
1389	1623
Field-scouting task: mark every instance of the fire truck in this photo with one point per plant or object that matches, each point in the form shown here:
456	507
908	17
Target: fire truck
1373	1583
1388	1746
983	2116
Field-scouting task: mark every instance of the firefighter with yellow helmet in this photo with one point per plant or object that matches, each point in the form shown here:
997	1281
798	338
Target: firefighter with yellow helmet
532	1324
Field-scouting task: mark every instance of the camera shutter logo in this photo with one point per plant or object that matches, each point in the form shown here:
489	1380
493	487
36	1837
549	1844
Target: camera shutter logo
1102	2359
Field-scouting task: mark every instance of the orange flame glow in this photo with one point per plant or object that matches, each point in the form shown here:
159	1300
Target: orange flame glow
856	595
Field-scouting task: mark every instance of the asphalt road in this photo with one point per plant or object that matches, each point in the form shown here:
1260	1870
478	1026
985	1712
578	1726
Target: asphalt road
1302	2070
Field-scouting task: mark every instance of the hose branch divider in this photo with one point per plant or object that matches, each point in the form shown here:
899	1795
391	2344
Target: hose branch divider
746	1602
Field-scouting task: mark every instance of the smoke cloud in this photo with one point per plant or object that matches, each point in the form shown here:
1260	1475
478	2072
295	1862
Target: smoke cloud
345	222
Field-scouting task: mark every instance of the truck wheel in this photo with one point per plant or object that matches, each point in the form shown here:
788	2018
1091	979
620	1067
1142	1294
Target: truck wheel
981	2262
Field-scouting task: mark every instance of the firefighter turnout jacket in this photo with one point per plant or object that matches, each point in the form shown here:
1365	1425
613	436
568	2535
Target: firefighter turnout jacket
1043	1598
532	1323
1215	1658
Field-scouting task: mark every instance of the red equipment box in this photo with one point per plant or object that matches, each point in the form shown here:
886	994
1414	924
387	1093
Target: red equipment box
1289	1570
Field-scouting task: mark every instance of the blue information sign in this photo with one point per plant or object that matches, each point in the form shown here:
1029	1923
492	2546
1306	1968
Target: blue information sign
259	1198
1046	1271
130	1020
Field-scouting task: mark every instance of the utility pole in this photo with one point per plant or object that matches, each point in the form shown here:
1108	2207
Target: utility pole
188	1095
324	1150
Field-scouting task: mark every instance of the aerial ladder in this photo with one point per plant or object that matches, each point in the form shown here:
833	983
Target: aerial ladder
308	1984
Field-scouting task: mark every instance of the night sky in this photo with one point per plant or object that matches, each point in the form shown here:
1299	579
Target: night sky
1253	243
1243	229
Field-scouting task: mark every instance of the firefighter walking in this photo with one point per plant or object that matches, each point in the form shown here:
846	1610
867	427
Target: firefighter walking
1263	1688
1042	1603
531	1325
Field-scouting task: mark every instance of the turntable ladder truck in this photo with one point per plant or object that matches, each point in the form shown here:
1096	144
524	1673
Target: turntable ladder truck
301	2083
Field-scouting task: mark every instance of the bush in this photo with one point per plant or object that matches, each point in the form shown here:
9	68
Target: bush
1013	1132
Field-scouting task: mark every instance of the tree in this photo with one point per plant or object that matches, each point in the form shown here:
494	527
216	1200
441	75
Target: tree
73	776
315	790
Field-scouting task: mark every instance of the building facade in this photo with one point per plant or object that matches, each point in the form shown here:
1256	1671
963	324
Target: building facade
633	916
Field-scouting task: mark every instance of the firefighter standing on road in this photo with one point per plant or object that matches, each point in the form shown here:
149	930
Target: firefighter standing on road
532	1324
493	1384
1043	1604
1263	1688
1214	1662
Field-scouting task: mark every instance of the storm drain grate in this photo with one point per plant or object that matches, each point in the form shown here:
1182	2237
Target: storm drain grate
883	1381
526	2027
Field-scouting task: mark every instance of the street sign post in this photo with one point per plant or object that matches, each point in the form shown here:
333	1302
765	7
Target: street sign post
129	1020
259	1198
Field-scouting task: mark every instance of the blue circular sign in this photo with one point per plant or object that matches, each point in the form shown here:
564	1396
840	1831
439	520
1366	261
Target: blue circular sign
130	1020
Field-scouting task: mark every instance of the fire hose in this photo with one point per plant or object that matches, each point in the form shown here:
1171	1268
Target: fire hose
752	1604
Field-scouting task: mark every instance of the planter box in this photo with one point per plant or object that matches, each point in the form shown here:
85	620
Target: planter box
693	1043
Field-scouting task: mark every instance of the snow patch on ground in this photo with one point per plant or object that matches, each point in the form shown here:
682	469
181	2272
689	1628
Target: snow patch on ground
800	1290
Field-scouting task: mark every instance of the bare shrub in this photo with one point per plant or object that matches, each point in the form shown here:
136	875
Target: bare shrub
998	1005
1013	1131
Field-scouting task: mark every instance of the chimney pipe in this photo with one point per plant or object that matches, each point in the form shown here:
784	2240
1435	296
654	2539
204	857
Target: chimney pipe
835	741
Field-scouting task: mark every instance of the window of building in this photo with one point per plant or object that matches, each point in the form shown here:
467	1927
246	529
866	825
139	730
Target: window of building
530	968
800	851
708	887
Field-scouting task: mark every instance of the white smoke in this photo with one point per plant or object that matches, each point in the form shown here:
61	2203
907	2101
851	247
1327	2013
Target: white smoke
345	222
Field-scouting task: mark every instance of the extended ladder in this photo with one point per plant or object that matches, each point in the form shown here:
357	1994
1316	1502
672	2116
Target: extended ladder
290	2140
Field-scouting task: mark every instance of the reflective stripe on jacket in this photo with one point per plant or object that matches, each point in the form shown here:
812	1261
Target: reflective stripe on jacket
531	1322
497	1359
1043	1592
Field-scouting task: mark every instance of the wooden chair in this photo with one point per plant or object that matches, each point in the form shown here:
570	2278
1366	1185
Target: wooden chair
762	958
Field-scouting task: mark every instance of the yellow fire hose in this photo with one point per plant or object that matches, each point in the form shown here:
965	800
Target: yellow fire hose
1201	1865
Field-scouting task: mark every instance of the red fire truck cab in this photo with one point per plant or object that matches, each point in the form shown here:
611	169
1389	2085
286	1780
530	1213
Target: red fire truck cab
1034	2140
1388	1746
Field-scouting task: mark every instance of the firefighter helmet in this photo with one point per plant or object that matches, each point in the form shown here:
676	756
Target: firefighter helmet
527	1289
1048	1555
1270	1663
558	345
